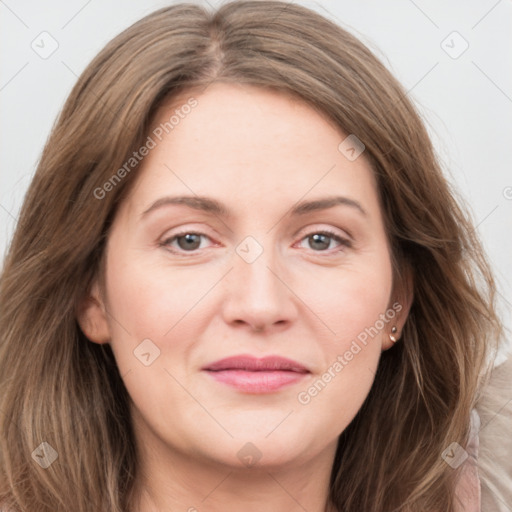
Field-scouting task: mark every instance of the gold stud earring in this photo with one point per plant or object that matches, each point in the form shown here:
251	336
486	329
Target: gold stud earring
391	336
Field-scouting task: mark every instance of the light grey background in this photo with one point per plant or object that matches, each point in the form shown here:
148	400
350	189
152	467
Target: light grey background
465	98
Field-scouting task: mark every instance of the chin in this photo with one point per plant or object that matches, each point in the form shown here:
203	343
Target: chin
254	450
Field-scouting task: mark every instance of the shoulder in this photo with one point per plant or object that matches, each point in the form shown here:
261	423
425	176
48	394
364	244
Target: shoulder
495	453
468	490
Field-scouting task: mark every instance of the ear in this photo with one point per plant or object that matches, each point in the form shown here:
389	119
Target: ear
92	316
401	301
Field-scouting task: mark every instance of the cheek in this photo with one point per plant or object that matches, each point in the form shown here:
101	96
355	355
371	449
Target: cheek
356	310
148	302
350	359
155	311
351	303
362	305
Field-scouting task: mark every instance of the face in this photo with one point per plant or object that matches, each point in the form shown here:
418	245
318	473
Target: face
276	259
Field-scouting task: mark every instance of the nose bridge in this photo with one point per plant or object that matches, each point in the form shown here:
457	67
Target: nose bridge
255	292
253	264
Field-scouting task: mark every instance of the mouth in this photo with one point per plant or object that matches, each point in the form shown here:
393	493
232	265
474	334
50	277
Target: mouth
252	375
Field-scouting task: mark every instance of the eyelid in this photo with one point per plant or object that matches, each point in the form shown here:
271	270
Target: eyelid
324	228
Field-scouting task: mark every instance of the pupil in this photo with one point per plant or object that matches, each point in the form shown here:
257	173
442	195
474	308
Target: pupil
189	241
317	239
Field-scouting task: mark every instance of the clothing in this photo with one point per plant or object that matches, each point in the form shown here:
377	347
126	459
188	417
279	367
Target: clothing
495	437
485	483
468	491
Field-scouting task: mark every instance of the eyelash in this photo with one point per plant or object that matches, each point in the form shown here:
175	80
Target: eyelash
344	242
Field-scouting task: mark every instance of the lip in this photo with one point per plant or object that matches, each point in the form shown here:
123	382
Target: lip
257	375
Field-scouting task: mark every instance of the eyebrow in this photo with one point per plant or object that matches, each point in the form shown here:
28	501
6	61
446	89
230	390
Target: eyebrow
209	205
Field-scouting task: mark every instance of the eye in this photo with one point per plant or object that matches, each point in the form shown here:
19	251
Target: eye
321	240
187	241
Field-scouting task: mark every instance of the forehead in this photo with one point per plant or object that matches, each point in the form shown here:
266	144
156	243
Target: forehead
242	143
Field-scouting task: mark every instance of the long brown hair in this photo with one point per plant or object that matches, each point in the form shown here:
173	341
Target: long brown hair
58	388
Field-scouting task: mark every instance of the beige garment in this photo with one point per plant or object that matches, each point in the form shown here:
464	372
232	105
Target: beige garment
495	440
468	490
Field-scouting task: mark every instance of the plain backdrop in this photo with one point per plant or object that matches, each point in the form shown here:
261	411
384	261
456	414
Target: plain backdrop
453	58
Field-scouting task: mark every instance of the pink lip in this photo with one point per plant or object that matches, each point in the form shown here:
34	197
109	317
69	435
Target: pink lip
253	375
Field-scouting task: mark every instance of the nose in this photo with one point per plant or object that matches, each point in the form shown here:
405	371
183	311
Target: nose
258	295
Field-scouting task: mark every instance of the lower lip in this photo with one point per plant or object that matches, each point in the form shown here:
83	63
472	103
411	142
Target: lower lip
257	381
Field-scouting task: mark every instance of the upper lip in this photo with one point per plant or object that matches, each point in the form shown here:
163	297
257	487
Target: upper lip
254	364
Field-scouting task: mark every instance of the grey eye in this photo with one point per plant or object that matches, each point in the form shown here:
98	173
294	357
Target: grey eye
189	241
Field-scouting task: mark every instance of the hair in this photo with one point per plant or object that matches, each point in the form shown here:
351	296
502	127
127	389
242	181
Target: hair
58	387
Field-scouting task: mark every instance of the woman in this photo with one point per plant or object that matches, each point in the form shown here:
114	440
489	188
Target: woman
240	281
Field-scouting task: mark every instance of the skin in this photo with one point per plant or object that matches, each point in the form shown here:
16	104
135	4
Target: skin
259	153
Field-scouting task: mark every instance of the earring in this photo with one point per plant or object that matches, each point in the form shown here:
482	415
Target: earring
391	336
